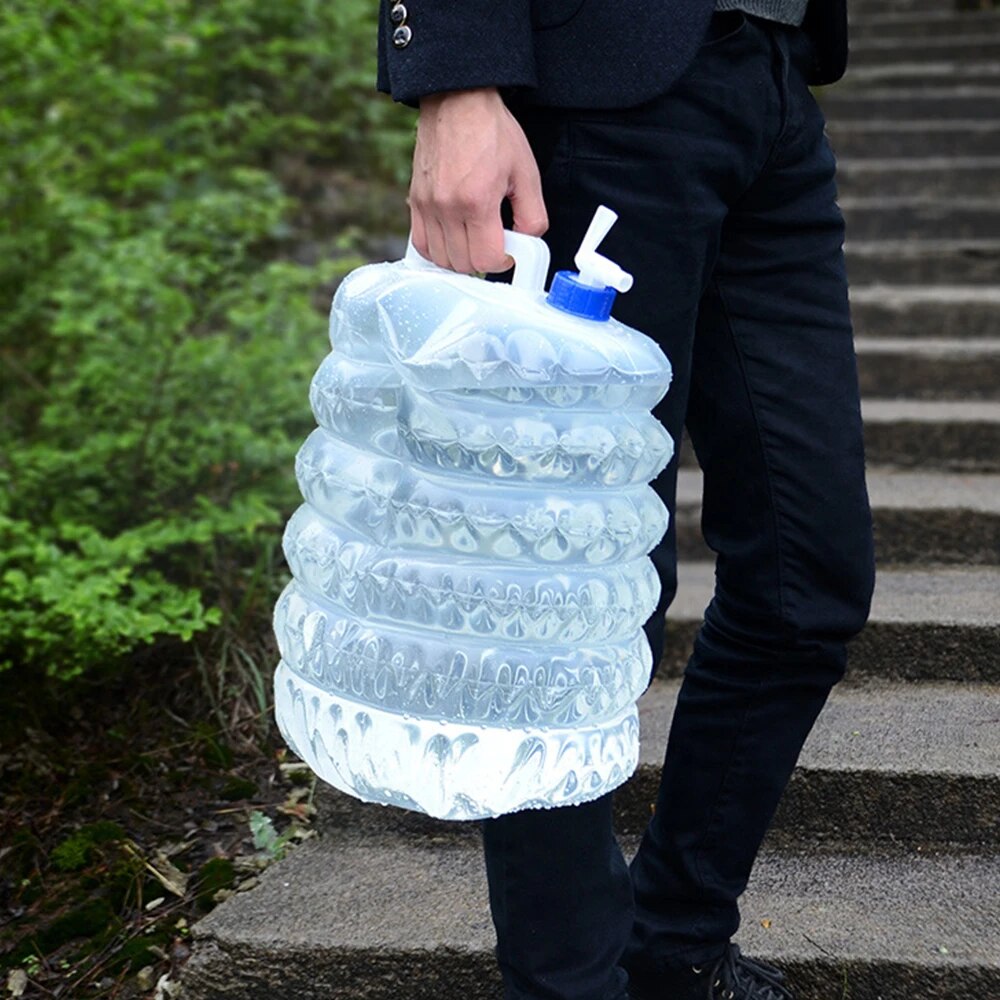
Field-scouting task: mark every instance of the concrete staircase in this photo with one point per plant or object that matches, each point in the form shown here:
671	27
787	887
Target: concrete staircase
880	879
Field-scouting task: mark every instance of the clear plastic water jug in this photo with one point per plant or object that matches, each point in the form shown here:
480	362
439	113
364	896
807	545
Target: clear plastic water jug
462	635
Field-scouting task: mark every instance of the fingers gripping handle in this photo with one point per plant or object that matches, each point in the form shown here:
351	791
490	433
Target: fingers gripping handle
530	253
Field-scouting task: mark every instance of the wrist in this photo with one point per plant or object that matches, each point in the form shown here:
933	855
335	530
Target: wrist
486	95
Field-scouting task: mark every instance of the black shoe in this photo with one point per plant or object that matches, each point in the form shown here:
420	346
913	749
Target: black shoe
732	977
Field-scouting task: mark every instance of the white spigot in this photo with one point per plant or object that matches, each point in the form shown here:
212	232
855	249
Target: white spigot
595	269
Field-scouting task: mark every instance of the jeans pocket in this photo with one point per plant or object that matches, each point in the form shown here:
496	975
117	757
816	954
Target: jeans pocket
554	13
723	26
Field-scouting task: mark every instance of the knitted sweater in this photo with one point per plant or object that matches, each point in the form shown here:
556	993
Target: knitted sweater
786	11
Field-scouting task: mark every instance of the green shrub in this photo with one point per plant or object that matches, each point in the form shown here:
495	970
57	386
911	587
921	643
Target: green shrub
156	339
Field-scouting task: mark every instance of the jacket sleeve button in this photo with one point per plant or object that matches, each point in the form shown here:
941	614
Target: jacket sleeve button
398	14
401	36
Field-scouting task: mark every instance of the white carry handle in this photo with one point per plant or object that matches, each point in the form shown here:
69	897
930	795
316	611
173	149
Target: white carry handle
530	253
531	260
413	258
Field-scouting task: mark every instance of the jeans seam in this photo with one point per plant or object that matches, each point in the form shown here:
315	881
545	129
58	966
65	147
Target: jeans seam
722	796
783	61
762	444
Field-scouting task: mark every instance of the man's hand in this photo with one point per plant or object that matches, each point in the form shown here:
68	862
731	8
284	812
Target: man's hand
470	154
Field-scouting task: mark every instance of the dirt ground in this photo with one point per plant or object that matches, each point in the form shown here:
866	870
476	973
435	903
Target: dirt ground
127	813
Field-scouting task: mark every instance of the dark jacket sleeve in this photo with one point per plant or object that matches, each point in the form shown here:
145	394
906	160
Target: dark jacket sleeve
826	24
453	45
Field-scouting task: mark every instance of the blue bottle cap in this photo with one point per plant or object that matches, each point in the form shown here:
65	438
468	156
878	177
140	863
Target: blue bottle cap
571	295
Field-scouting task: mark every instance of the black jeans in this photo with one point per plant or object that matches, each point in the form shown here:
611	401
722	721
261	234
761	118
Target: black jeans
726	193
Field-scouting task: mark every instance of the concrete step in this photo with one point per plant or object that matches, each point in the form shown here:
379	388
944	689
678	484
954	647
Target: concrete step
881	137
924	434
881	8
885	763
943	20
932	624
968	45
940	177
932	434
916	74
889	763
911	368
940	312
368	921
921	217
920	518
925	263
929	101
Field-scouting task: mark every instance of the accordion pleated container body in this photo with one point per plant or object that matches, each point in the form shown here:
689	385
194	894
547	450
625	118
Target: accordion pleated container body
462	635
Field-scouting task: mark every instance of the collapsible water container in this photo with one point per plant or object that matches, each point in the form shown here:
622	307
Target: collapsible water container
462	635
